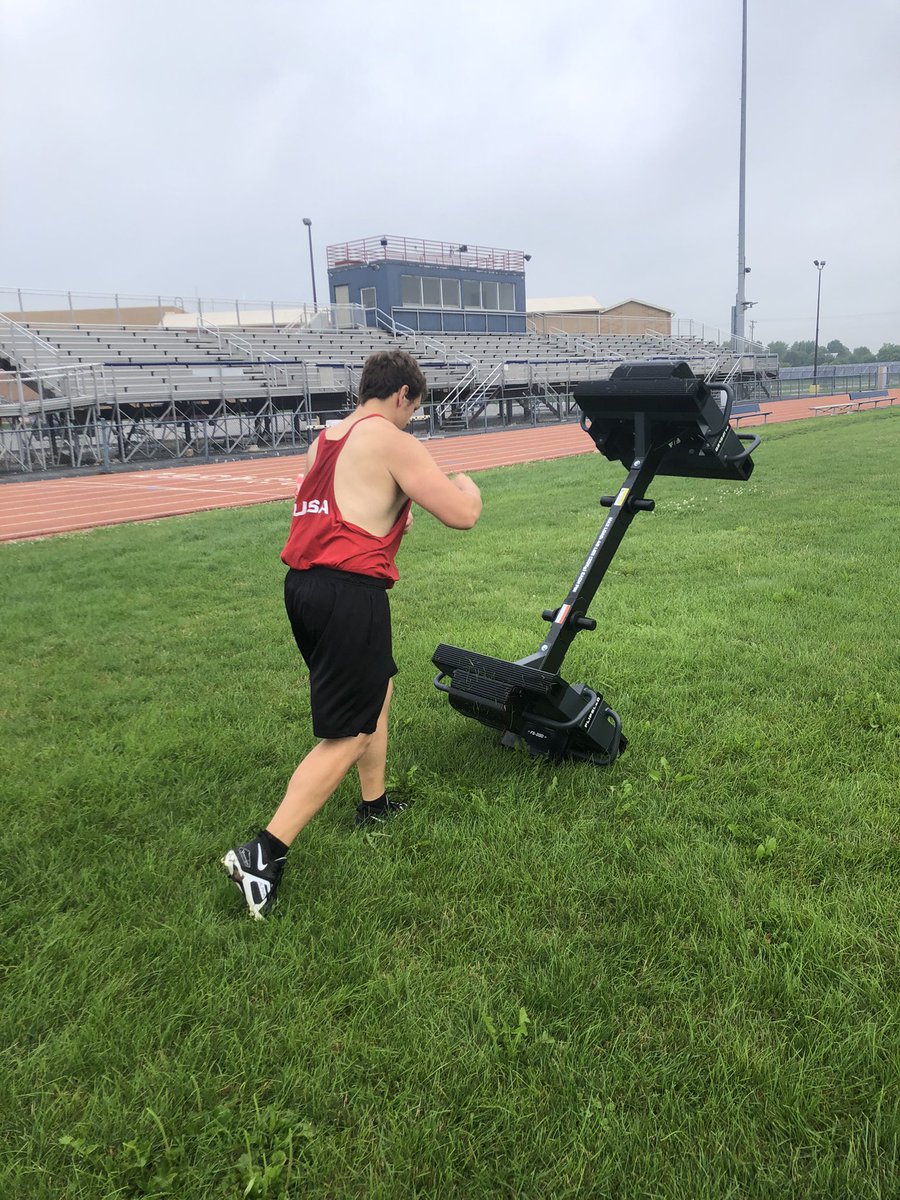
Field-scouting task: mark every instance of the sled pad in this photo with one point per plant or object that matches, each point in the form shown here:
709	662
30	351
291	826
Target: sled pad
649	404
550	716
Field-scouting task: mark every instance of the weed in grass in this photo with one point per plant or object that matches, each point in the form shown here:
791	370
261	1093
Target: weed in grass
507	1039
667	776
766	849
404	785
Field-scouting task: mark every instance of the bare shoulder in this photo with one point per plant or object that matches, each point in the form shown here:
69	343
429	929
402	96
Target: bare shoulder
385	439
402	444
380	429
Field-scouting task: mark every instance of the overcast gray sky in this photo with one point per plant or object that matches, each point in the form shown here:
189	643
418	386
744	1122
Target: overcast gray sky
175	145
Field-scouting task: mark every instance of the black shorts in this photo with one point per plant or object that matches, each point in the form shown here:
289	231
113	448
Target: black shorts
342	627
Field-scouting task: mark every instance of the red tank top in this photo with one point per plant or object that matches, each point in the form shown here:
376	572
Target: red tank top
320	537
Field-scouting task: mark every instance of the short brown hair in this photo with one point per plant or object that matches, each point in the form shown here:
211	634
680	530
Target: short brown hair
386	372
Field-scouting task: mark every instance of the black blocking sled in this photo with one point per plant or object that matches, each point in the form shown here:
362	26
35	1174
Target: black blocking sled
656	418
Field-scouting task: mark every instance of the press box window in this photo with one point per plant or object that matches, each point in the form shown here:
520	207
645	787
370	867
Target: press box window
367	297
471	294
411	290
508	297
490	295
450	293
431	291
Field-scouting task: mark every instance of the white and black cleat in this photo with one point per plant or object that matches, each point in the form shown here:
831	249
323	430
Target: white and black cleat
368	815
255	878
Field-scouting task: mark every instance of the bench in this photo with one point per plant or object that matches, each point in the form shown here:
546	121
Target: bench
856	403
873	399
736	418
831	409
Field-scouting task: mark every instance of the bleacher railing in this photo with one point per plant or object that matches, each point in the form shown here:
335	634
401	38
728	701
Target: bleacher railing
118	308
458	255
24	346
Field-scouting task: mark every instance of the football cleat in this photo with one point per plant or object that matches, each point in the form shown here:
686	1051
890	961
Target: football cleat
377	814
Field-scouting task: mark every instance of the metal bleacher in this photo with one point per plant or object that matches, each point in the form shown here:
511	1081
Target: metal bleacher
82	394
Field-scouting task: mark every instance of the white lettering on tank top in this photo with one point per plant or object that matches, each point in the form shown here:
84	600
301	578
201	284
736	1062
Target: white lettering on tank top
311	508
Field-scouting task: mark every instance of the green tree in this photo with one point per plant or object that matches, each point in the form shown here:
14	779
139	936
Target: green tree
801	354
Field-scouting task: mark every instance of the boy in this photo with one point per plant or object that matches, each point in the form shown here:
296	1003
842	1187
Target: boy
350	513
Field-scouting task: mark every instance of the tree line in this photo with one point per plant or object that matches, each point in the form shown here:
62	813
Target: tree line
802	354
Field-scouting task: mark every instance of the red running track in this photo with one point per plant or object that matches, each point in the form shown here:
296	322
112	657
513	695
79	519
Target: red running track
42	507
39	508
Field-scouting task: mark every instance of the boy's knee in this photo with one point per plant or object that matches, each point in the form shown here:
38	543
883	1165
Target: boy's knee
362	742
350	749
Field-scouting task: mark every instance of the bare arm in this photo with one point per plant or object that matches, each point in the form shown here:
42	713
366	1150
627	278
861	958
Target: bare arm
455	502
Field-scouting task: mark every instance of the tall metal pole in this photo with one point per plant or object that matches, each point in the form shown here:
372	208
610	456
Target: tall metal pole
818	264
307	221
737	319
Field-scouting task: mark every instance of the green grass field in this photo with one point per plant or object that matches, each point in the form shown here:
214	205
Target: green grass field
676	978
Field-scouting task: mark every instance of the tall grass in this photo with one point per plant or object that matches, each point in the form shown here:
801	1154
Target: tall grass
674	978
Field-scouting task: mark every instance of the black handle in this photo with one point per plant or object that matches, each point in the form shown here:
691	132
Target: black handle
576	720
631	503
754	440
576	620
729	399
480	701
441	687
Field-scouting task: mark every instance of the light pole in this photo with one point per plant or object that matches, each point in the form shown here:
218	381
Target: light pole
307	221
818	264
740	304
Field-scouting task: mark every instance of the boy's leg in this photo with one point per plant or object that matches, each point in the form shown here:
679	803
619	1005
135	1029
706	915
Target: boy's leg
371	765
376	806
256	867
314	781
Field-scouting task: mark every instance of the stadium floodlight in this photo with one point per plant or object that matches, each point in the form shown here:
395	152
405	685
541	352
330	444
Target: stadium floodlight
818	264
307	221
